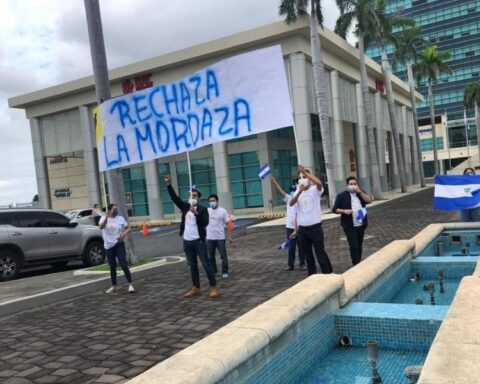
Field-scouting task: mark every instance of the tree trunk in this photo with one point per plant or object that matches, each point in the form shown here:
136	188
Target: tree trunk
477	123
319	78
372	149
432	122
393	120
415	124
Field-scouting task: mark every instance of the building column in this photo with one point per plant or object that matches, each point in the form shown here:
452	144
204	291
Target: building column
222	175
152	178
264	158
338	139
41	171
90	157
301	113
381	134
406	146
361	147
394	173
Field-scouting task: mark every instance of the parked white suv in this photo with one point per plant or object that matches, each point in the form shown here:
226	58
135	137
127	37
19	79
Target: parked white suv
40	236
81	216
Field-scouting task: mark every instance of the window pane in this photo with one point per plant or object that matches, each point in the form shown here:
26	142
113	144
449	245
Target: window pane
56	220
27	220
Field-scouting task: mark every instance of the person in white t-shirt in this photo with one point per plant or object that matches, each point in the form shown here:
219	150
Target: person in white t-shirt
114	230
291	228
309	220
218	219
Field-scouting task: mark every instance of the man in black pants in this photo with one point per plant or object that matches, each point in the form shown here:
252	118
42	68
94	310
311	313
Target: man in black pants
193	230
309	220
351	205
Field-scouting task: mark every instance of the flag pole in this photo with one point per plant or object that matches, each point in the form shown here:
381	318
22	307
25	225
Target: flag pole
189	174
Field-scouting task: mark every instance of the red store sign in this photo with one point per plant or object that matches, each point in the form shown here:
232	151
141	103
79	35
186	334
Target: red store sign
138	83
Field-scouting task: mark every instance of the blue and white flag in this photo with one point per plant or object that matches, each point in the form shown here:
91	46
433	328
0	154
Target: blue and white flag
285	245
361	214
264	171
453	193
192	188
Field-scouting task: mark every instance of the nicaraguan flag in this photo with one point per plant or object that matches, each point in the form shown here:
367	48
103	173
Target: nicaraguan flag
194	186
453	193
285	245
361	214
264	171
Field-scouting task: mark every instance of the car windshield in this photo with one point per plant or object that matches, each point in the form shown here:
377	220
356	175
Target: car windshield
71	215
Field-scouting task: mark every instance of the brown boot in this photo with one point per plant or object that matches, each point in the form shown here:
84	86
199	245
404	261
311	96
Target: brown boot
213	292
194	291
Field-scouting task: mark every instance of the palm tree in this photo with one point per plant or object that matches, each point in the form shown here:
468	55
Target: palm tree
431	62
291	9
363	13
472	99
406	52
382	32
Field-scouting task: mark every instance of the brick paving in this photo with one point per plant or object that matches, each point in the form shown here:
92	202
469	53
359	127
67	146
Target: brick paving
100	338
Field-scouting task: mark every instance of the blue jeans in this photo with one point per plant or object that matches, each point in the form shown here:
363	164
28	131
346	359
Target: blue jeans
212	245
470	215
118	252
192	250
291	250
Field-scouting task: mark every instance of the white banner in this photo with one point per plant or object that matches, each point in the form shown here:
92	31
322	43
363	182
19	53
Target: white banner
236	97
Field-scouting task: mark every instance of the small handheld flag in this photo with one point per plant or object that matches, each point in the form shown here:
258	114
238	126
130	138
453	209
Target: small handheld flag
361	214
264	171
193	187
455	192
285	245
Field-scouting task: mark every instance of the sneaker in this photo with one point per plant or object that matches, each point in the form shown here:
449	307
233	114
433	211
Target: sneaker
111	289
130	288
194	291
288	269
303	268
213	292
225	275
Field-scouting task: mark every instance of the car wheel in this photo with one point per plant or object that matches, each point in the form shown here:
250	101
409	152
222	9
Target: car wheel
94	254
59	264
9	265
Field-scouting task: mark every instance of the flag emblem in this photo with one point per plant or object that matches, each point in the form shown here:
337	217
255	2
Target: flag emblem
264	171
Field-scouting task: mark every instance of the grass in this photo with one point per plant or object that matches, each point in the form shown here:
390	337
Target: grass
106	268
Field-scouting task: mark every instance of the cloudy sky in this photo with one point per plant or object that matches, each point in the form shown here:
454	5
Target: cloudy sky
45	42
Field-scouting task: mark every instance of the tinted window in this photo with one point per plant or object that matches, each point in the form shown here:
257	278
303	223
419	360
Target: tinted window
56	220
87	212
5	217
27	219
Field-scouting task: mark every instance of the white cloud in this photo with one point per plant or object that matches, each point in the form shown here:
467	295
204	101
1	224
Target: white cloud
45	42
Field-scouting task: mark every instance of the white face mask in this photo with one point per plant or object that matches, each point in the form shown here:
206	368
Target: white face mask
351	189
213	204
303	182
192	201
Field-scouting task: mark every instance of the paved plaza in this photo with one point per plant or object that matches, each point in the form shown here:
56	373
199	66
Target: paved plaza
98	338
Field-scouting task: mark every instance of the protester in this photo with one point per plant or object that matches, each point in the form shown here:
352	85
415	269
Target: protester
309	220
218	219
351	205
193	229
291	227
114	230
96	214
471	214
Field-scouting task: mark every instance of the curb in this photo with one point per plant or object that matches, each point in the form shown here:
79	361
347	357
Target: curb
85	271
60	294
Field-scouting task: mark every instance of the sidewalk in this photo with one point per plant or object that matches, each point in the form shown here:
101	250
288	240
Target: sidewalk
98	338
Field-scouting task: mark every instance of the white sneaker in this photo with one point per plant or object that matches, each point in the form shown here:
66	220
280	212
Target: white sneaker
111	289
130	288
225	275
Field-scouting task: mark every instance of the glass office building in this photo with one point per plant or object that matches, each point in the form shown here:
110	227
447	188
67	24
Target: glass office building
453	26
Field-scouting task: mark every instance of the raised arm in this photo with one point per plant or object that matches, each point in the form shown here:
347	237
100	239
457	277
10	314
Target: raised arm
314	179
295	197
364	195
277	186
176	200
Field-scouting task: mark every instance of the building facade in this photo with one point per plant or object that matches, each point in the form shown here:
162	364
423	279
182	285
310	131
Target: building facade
63	134
453	26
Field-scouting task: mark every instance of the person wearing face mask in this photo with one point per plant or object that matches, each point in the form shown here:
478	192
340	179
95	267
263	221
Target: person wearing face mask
471	214
218	219
193	230
309	220
291	229
351	205
114	230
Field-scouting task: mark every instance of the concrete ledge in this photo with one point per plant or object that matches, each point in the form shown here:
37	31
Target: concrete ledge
426	236
53	296
461	225
361	276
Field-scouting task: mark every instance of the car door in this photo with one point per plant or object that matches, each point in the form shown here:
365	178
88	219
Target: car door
63	239
28	233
